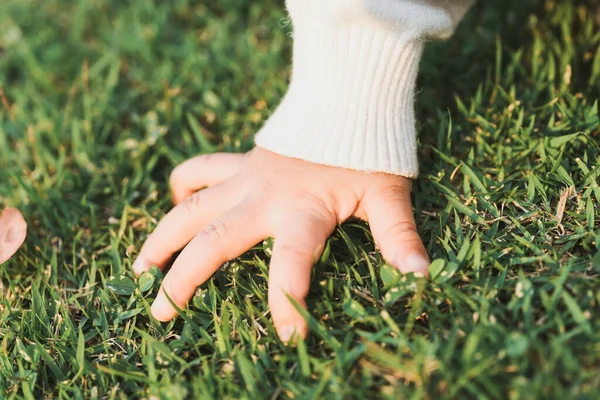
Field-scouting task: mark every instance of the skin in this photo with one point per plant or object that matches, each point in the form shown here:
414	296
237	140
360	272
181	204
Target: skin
227	203
13	230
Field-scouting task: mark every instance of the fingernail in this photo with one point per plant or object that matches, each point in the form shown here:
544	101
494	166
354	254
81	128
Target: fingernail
286	333
161	308
140	266
415	263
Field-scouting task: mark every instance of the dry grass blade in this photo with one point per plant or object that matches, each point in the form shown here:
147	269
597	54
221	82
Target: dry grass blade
562	202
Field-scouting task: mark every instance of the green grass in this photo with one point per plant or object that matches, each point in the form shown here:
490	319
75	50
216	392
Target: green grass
102	98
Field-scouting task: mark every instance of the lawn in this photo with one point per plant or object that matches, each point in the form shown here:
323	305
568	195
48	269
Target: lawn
100	99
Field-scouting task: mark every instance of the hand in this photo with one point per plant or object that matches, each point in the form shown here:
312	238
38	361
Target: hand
260	194
13	230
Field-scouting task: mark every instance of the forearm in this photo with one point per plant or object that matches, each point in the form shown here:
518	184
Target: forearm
350	101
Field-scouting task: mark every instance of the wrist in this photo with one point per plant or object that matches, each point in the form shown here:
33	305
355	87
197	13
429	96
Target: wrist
350	100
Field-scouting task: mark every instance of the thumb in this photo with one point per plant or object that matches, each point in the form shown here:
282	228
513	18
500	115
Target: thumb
389	212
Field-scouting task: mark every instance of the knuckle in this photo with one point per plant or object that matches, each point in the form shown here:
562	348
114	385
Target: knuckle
312	201
401	230
267	189
192	203
293	251
394	193
214	233
300	254
319	220
321	212
315	207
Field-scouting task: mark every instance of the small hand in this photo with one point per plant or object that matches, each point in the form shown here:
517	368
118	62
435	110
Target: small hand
13	230
249	197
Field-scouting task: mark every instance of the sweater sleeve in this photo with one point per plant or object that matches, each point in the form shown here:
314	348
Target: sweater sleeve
350	100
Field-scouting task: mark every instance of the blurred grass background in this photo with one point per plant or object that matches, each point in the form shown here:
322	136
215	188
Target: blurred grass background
100	99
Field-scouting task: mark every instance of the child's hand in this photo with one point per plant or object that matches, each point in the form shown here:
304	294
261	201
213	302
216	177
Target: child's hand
13	230
252	196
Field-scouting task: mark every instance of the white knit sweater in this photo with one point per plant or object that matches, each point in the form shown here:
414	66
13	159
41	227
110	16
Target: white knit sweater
350	100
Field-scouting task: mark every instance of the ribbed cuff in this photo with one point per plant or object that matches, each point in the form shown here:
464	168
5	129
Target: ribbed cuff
350	100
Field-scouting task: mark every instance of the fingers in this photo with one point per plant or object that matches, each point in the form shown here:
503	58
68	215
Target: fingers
182	223
223	239
203	171
13	230
390	216
298	244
